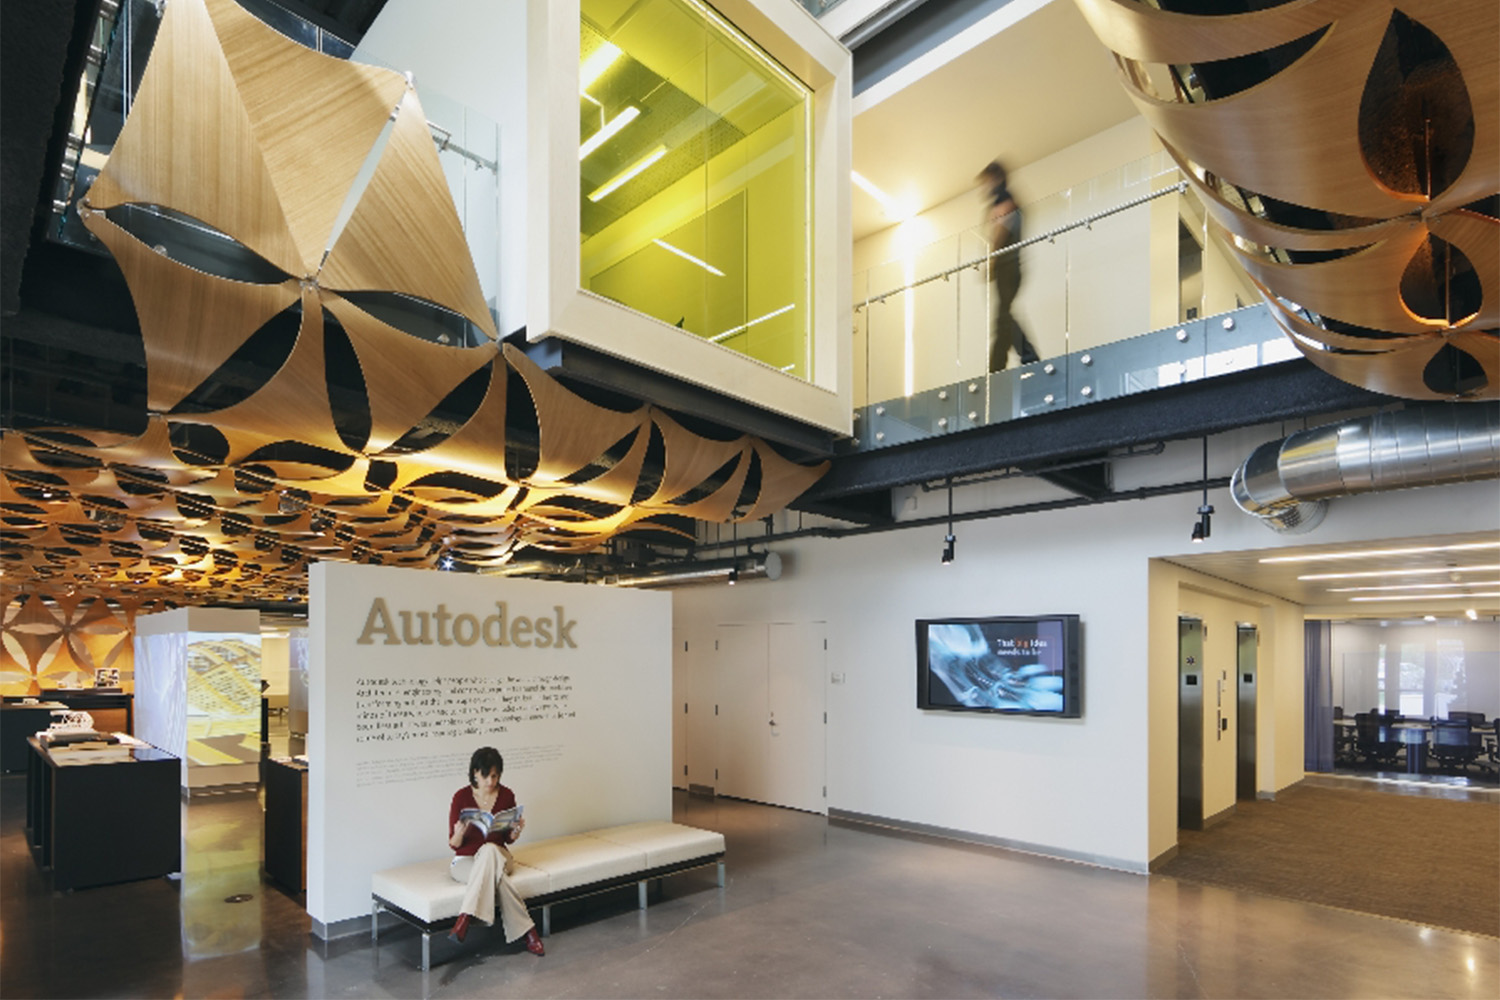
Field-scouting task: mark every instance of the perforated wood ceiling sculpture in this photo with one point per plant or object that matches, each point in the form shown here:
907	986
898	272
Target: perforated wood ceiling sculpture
233	488
1353	149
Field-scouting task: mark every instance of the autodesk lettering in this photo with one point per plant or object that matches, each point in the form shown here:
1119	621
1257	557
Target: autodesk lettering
441	627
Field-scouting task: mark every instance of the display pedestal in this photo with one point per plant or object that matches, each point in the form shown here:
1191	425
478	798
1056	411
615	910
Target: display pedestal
17	724
286	823
111	821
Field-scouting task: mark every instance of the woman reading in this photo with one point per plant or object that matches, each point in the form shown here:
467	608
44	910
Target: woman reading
482	860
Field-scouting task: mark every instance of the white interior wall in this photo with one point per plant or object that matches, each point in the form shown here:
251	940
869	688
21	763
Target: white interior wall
1045	783
275	663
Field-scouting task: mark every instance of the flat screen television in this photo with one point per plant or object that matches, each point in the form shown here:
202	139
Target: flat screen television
1003	665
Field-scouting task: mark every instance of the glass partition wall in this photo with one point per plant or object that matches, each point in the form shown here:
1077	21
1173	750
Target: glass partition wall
695	178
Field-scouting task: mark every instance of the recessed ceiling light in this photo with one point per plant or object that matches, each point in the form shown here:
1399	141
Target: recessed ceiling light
1429	571
892	207
599	60
628	172
1375	553
688	257
1445	585
1426	597
608	131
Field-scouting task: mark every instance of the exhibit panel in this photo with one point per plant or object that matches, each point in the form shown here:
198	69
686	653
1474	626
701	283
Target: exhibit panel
198	691
412	671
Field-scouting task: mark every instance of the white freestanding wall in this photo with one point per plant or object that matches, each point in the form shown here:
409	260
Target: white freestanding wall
577	700
1103	787
165	695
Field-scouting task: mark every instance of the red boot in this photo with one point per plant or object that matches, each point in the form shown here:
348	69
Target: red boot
461	928
534	943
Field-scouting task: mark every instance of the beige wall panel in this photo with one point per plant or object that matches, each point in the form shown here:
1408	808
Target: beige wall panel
188	143
404	235
171	301
315	118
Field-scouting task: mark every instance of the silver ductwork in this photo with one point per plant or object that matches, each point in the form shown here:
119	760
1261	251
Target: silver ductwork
1288	483
761	566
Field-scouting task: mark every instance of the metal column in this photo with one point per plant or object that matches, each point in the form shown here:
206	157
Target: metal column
1190	723
1247	648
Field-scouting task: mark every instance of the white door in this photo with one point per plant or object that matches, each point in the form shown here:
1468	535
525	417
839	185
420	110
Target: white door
743	721
701	724
797	757
681	677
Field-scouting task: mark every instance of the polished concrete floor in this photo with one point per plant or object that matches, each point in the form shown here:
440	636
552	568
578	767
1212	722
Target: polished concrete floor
811	909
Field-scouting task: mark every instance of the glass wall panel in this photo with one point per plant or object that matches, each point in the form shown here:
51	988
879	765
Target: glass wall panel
694	171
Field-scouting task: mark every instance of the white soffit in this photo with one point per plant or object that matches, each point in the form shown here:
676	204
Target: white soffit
1025	82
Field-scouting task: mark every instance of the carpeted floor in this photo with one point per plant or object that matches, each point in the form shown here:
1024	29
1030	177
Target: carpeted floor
1429	860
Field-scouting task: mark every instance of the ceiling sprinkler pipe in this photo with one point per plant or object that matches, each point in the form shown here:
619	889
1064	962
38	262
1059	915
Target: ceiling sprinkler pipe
762	566
1287	483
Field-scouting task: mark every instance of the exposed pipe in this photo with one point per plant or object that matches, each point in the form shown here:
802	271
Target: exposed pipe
765	566
1288	483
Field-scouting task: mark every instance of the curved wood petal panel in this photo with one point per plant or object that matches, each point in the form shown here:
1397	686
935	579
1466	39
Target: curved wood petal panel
171	301
314	117
574	432
1144	33
405	376
781	481
404	235
188	143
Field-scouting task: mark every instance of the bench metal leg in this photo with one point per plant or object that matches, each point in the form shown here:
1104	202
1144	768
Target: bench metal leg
640	893
426	950
546	919
375	922
721	874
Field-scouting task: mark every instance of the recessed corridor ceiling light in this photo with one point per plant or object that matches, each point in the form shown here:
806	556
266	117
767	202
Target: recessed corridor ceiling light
1425	597
629	172
1431	571
599	60
1374	553
745	326
1445	585
1471	614
607	131
688	257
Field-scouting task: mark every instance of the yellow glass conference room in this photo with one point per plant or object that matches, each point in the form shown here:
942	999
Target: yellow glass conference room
695	178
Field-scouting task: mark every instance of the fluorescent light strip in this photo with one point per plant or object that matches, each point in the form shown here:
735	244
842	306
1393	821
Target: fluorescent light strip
688	257
1375	553
629	172
608	131
599	60
759	319
1426	597
1431	571
1414	586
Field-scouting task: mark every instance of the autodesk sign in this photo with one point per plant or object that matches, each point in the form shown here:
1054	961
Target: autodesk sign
499	629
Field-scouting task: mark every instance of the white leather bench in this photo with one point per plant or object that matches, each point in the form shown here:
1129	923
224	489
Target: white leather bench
548	872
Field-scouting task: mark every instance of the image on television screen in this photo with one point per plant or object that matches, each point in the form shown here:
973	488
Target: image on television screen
1017	666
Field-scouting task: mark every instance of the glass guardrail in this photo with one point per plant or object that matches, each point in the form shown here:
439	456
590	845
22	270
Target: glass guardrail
1124	288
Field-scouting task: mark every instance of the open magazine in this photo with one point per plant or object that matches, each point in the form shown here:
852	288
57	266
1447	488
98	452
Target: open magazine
494	826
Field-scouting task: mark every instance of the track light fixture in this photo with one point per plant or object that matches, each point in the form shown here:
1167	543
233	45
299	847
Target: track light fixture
948	539
1204	527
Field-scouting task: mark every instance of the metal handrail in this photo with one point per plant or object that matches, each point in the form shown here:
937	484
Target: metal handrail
1052	234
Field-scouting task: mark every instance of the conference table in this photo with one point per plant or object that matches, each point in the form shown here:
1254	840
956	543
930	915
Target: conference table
1412	734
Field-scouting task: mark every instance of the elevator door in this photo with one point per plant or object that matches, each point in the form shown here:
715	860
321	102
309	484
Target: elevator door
1190	723
1248	646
